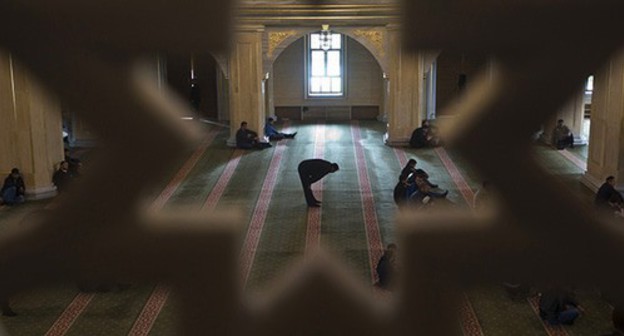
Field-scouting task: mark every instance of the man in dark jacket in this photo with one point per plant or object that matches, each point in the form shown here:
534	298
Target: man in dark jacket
62	177
607	197
424	136
386	267
248	139
13	188
558	306
311	171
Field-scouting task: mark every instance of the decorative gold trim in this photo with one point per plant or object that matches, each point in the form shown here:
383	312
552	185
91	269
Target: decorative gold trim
291	7
375	37
352	11
275	38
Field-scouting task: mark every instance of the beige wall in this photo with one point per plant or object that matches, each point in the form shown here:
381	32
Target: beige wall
364	78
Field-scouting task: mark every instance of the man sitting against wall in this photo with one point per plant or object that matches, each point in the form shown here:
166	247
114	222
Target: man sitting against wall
562	136
248	139
273	134
425	136
13	189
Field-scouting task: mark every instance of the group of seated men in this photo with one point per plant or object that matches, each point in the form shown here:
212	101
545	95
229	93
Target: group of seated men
414	187
14	189
248	139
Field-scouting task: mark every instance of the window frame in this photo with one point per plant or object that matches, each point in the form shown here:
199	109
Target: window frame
308	68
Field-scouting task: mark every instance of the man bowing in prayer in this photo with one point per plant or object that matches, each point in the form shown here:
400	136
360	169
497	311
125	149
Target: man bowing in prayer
311	171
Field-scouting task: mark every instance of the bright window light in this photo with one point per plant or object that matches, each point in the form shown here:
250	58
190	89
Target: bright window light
325	67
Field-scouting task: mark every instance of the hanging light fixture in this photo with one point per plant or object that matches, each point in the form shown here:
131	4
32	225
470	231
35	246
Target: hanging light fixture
325	38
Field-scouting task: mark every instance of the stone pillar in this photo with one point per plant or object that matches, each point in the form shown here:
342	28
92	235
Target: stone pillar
383	110
270	102
30	129
430	90
245	81
223	100
606	137
406	95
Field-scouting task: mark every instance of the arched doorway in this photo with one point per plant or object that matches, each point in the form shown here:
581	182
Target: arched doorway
195	78
291	96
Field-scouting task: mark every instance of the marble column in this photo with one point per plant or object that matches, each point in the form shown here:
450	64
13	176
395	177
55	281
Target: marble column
383	111
223	100
246	81
30	129
606	138
270	102
405	100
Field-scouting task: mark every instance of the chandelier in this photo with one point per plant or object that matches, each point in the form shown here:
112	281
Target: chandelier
325	38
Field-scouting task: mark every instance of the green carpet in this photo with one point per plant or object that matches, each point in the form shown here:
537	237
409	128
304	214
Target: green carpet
283	238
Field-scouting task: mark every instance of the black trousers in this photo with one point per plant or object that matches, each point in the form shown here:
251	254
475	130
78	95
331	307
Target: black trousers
567	142
307	190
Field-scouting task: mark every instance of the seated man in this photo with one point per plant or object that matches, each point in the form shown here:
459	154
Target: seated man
402	191
75	165
424	136
62	177
424	193
409	168
411	172
561	136
248	139
13	188
607	197
273	134
558	306
386	267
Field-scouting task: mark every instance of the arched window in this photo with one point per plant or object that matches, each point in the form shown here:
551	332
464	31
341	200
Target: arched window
325	64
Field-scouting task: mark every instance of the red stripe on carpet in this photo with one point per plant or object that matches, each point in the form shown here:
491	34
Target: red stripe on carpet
258	218
313	233
150	312
79	304
550	330
70	314
574	159
224	180
469	196
457	177
373	236
158	298
173	185
469	321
